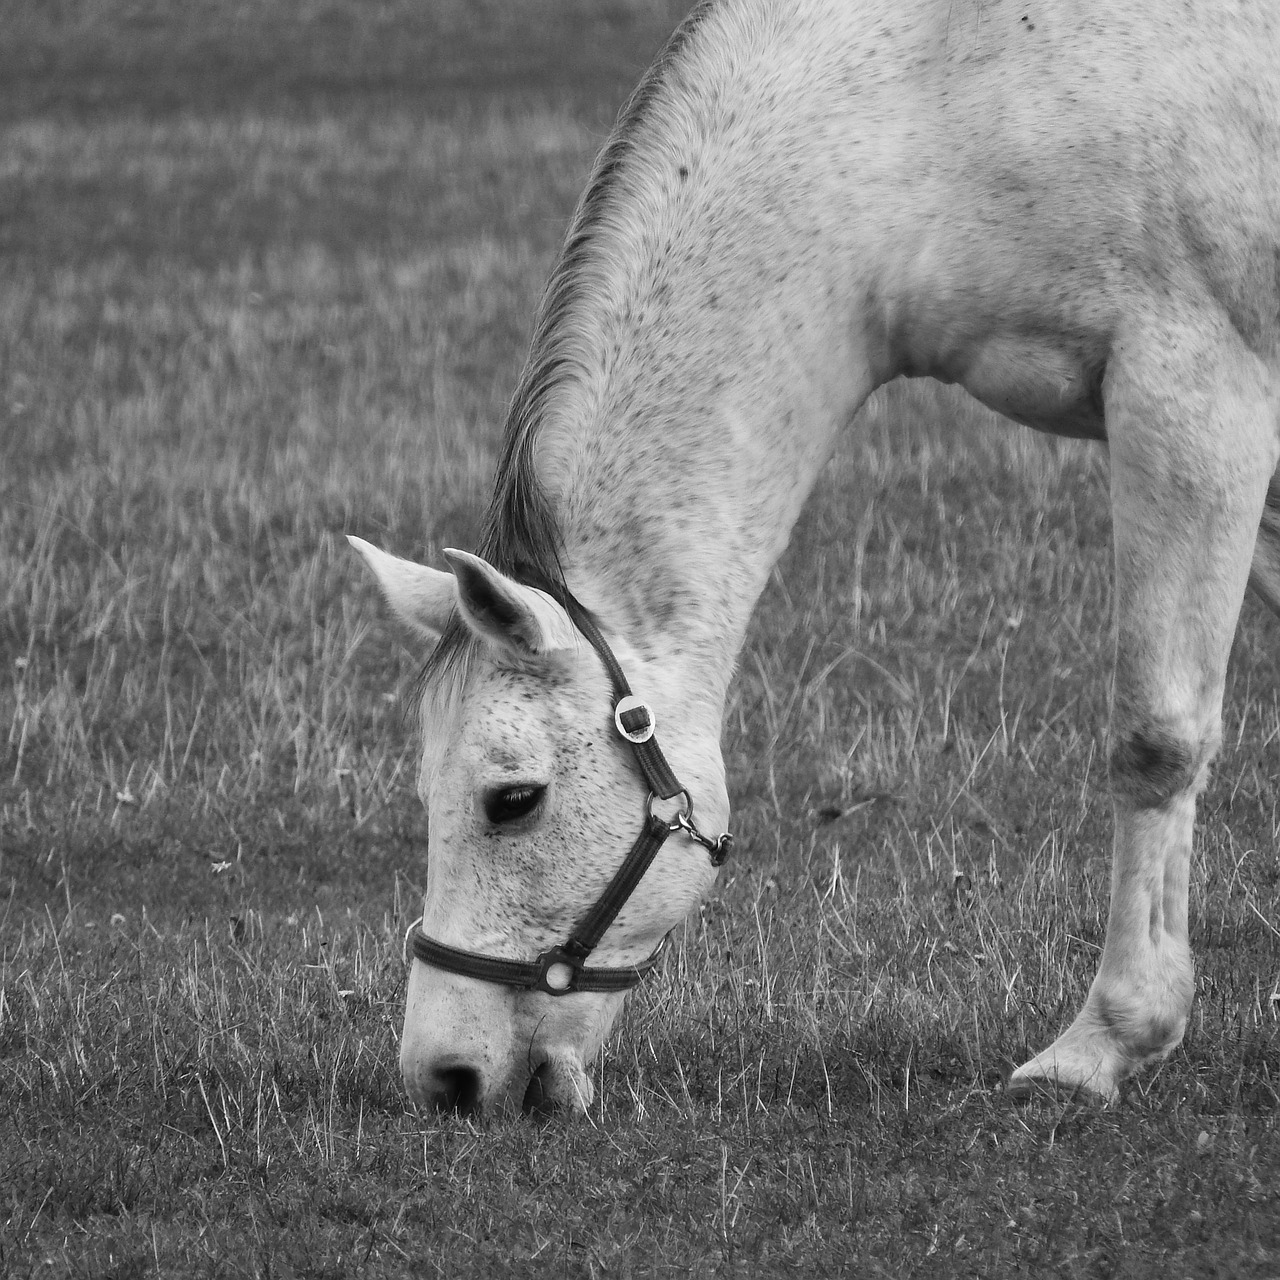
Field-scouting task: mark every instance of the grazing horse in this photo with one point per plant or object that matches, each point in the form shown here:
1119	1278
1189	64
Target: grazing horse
1070	209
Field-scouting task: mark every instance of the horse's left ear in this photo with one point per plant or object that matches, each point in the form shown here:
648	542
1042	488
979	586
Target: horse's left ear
507	613
422	597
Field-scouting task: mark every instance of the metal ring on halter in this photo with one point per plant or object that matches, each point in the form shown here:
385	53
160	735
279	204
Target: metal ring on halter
683	819
719	848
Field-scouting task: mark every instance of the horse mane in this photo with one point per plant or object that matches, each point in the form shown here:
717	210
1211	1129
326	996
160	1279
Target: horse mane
521	534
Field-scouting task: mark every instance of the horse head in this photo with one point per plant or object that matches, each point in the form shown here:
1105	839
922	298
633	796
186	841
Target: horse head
534	799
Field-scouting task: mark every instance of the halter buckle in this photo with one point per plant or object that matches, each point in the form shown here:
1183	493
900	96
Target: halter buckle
634	719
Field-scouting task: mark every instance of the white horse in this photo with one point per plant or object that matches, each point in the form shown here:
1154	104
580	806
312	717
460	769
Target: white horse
1072	210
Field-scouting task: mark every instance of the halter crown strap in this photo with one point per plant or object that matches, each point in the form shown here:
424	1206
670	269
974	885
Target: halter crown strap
653	764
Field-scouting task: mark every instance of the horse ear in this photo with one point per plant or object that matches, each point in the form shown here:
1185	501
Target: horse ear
519	618
422	597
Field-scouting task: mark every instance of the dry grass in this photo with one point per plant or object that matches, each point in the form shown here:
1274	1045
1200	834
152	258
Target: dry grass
226	336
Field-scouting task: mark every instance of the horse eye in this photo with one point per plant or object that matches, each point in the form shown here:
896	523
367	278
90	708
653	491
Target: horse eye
509	803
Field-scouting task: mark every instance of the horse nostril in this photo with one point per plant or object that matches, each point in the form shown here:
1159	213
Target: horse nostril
456	1089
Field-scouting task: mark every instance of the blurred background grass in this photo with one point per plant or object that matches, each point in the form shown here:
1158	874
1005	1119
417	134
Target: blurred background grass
266	274
83	57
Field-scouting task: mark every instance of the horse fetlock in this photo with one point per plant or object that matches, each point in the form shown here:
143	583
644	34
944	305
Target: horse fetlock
1142	1031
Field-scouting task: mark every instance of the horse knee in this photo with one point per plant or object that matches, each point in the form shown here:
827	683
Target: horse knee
1150	764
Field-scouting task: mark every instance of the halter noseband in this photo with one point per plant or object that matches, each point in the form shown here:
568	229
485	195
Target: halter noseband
562	969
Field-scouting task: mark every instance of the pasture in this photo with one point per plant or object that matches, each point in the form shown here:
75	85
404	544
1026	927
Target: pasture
267	277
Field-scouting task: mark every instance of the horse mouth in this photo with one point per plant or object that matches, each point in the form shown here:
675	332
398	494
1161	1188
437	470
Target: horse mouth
538	1100
559	1084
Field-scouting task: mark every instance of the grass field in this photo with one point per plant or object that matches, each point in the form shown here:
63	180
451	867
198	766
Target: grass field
266	277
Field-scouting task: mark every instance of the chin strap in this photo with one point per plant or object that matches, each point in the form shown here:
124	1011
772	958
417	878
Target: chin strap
562	969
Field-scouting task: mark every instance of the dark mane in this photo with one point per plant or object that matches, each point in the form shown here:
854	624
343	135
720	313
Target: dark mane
521	534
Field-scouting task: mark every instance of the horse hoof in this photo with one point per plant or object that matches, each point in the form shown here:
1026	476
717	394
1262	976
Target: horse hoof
1068	1072
1023	1088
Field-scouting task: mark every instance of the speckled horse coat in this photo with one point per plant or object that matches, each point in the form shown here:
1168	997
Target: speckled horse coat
1070	209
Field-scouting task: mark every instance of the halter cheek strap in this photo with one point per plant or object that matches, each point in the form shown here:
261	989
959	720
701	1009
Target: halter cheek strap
562	969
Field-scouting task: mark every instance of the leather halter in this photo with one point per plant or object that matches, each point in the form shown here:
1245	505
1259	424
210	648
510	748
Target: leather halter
562	969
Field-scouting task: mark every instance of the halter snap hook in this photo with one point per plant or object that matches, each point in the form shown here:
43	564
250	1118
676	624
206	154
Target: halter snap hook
718	848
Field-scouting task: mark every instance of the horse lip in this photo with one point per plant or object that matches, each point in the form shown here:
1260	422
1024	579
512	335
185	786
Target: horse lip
538	1101
559	1083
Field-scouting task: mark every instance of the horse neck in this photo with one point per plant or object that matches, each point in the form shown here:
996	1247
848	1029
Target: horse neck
685	470
704	355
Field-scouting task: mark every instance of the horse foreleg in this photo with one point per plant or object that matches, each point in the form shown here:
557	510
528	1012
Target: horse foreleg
1192	430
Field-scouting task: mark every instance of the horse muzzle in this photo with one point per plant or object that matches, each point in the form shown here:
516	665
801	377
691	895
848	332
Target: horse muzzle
476	1049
